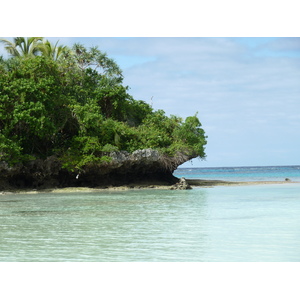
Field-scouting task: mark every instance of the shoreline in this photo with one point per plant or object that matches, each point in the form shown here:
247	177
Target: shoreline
194	183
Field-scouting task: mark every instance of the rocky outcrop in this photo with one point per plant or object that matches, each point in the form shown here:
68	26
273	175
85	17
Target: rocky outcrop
145	166
182	184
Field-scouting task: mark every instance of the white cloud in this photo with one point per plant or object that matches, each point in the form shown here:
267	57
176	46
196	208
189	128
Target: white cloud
285	44
245	102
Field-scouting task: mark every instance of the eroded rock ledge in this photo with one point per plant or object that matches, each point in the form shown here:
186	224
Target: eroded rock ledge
145	166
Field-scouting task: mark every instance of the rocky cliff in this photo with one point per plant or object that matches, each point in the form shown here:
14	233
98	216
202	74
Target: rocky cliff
145	166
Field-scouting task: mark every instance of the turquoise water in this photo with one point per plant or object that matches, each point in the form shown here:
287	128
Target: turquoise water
258	223
272	173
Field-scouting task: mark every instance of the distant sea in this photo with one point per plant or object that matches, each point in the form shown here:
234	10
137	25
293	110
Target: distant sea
251	223
269	173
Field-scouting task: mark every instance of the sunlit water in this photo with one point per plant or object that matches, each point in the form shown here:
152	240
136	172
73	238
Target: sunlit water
230	223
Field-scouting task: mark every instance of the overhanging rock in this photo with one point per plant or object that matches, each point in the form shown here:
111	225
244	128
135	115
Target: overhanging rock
145	165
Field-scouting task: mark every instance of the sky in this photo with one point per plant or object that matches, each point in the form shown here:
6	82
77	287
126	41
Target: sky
245	91
245	88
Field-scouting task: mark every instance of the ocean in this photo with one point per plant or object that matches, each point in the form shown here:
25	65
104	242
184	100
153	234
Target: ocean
268	173
251	223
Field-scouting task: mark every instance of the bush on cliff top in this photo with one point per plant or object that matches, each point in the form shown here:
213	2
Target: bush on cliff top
76	107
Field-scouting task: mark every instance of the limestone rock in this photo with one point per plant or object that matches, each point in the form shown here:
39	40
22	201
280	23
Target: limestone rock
145	166
181	185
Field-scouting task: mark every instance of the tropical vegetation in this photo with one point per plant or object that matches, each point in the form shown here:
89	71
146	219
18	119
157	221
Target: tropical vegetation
72	103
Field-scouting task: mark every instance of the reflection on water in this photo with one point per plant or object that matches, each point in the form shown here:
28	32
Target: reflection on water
218	224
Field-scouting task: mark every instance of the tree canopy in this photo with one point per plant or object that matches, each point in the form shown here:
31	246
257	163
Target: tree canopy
72	103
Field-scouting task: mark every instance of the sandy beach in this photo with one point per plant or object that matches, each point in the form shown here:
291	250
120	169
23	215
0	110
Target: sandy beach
194	183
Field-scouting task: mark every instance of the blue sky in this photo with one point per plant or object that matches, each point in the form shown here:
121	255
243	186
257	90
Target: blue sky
246	90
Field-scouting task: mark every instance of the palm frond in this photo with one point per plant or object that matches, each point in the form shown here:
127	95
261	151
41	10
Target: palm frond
22	46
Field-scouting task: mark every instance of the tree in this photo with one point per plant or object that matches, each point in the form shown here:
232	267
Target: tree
34	110
72	104
34	46
96	59
23	46
93	75
52	51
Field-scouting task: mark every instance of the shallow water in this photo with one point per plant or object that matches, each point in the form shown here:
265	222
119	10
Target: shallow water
225	223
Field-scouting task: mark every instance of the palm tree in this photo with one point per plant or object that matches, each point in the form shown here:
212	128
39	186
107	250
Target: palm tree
96	59
23	46
52	51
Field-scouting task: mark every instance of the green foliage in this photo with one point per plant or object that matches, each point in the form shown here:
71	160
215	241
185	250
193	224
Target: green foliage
54	52
33	106
22	46
10	151
72	104
171	135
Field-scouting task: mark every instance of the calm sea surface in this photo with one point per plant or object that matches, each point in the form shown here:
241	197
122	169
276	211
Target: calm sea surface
273	173
225	223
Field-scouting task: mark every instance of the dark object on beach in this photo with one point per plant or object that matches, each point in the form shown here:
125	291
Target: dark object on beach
287	179
181	185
